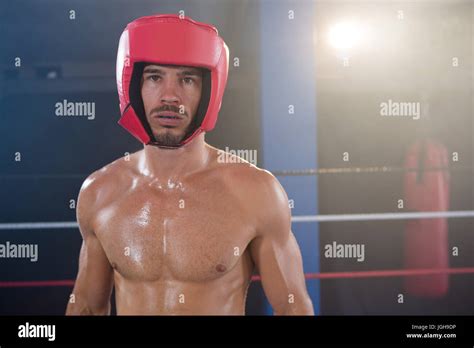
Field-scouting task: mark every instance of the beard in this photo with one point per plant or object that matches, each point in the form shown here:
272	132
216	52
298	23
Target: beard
168	139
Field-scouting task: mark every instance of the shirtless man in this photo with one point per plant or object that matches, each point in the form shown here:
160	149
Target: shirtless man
174	228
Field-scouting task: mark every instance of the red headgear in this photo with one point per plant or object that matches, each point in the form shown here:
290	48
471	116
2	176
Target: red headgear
170	40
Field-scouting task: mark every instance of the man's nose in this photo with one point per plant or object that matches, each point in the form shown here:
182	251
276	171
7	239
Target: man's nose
169	93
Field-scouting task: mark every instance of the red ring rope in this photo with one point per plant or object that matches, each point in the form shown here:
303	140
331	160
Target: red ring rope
384	273
324	275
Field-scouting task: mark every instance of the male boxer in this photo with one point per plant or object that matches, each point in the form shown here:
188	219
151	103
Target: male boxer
176	229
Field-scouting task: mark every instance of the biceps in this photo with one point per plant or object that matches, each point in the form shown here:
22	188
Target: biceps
281	270
95	277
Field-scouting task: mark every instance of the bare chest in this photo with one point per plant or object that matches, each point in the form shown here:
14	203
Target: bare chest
181	235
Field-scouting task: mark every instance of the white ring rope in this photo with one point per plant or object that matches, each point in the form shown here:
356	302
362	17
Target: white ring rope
37	225
384	216
301	218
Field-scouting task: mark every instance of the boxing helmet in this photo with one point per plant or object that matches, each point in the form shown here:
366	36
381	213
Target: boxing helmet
170	40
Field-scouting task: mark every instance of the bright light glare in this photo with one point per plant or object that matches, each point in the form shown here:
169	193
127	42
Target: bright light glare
344	35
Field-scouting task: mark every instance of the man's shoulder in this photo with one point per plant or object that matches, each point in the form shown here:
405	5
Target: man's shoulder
103	182
243	175
261	193
232	165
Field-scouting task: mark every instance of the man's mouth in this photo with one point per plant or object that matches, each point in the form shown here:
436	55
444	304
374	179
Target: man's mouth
168	114
168	119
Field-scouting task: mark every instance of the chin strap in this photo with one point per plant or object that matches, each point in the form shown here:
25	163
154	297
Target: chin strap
153	143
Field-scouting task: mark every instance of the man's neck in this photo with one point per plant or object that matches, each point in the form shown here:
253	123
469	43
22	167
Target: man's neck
171	165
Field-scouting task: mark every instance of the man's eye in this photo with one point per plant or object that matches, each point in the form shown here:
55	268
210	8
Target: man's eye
153	77
188	80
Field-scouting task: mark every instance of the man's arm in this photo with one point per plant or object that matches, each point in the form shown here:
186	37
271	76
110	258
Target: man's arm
94	283
276	253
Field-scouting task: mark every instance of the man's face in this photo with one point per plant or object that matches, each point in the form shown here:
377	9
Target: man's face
171	97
